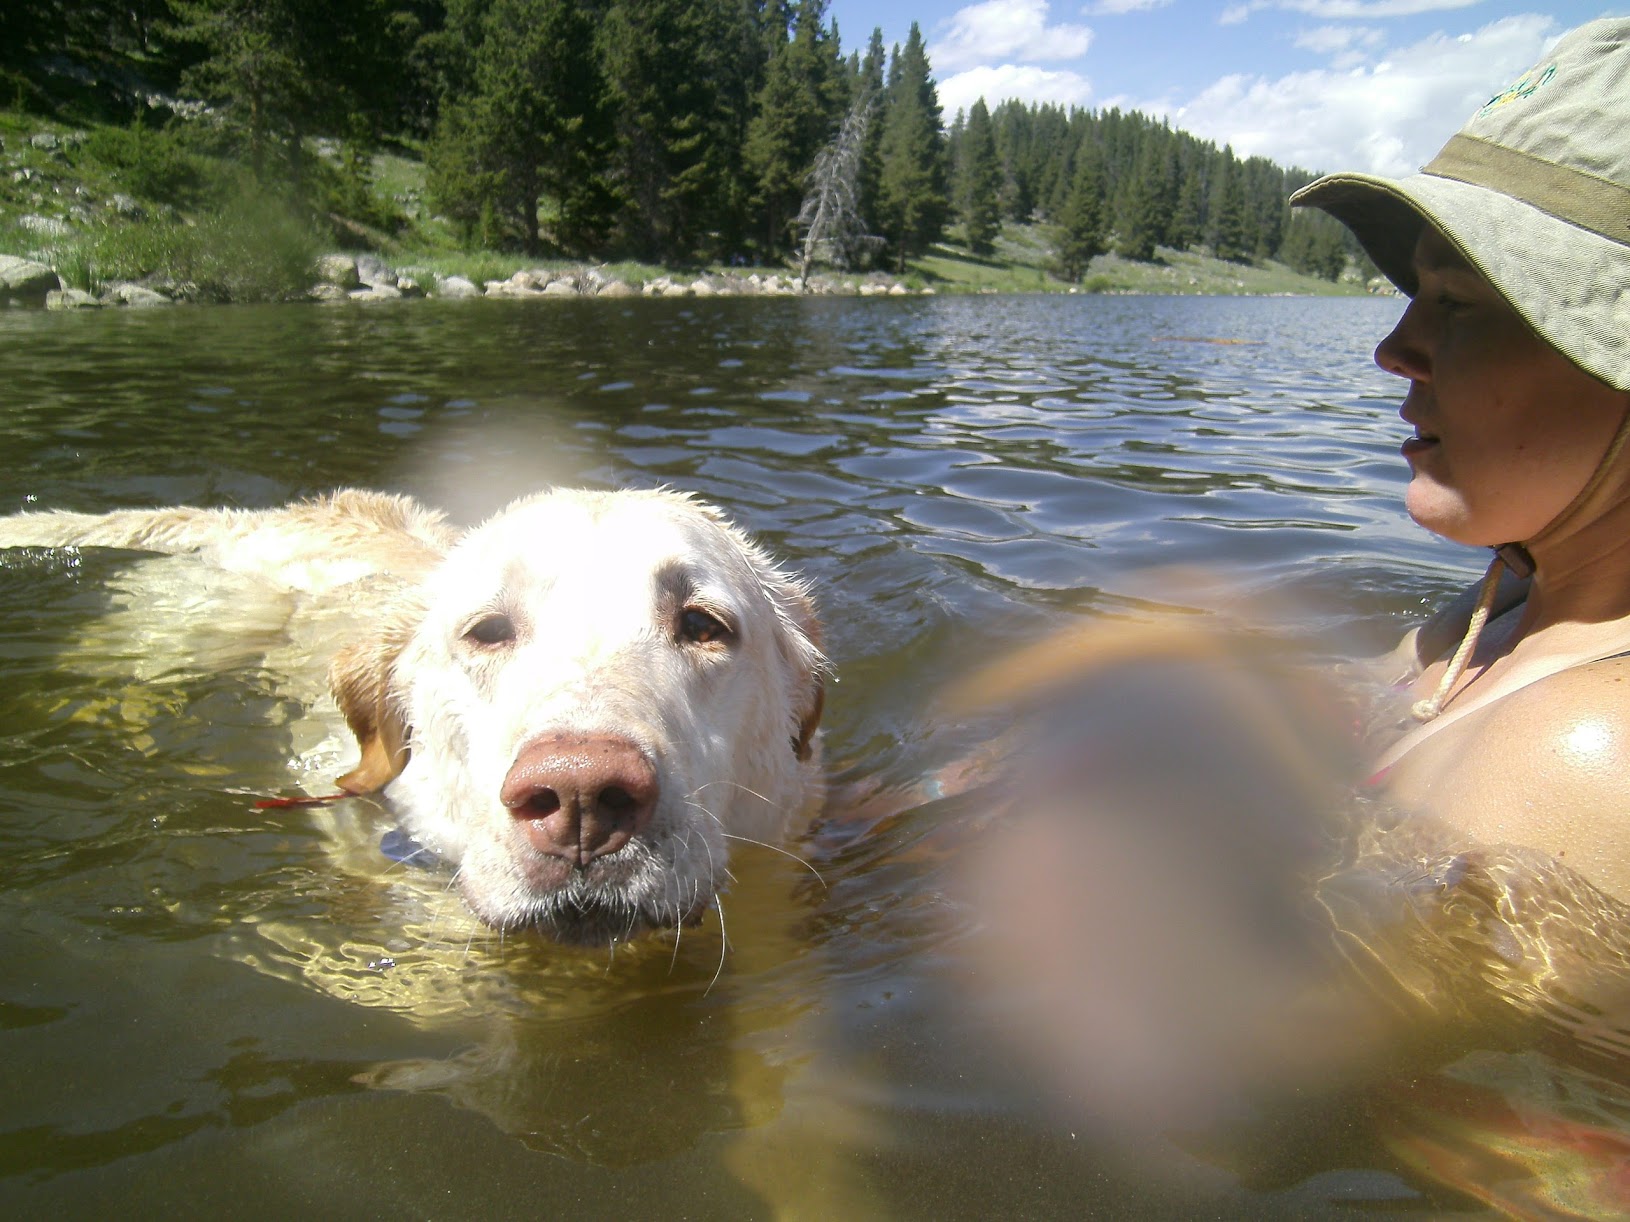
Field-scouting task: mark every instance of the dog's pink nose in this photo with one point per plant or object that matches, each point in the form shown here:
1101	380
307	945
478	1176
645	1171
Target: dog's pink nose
580	796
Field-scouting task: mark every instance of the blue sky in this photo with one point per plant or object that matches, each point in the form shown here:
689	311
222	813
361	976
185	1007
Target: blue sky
1373	85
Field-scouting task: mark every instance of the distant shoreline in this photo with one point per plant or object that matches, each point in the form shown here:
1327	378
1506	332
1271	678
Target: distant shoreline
367	279
78	217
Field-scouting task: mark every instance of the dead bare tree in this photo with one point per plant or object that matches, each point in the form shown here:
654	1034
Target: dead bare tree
830	220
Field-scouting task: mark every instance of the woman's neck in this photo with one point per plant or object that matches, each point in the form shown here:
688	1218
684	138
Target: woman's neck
1582	577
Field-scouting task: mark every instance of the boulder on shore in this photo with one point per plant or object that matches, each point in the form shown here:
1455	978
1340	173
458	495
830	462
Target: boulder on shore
338	270
71	299
134	295
25	282
382	291
374	272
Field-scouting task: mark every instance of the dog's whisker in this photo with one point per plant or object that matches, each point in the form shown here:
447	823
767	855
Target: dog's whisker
712	867
724	945
679	932
399	863
439	915
470	943
698	806
775	848
746	789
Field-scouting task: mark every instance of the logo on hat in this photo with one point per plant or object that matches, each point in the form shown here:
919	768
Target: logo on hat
1524	86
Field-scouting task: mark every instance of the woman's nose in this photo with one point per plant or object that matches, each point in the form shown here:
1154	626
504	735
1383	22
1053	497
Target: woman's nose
1402	351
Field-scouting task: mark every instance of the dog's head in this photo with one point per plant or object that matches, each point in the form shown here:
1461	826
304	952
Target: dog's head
584	703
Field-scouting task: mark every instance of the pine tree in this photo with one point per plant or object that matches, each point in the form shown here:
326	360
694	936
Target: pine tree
1229	224
1050	145
979	181
911	201
1013	123
1081	228
1314	244
870	81
1146	201
680	82
797	113
535	127
285	69
251	55
1189	216
1265	198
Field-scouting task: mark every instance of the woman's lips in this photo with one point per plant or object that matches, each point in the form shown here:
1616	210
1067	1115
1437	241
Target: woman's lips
1417	445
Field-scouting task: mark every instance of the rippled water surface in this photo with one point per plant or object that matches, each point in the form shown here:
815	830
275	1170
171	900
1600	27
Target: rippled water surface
203	1012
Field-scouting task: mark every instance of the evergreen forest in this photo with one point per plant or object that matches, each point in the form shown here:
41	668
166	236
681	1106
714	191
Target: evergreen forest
673	131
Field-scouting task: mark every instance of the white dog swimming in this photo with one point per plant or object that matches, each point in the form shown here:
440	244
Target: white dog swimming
577	703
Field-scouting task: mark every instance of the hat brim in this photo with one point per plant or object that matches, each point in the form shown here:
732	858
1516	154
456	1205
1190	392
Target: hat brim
1531	257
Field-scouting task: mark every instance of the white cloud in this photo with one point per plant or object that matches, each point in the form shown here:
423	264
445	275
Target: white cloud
1347	46
1368	10
1339	39
1026	82
1013	30
1117	8
1388	119
1342	10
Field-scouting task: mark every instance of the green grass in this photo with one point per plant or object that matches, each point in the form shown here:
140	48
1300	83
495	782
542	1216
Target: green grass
1022	263
396	174
950	270
252	250
1193	272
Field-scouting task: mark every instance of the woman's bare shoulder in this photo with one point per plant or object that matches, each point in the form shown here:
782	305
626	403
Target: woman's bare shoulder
1547	765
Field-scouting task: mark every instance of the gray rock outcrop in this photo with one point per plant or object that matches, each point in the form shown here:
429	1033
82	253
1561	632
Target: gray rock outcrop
24	282
134	296
71	299
338	270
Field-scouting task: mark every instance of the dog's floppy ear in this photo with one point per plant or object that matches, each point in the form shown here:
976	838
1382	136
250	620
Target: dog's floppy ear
802	648
810	721
361	678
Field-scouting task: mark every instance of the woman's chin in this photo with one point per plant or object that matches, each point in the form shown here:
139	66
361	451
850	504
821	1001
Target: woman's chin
1441	512
1446	514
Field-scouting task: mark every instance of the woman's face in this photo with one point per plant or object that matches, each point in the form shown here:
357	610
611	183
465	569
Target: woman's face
1507	430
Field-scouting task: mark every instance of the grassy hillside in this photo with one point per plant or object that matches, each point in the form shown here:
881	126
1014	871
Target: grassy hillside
104	204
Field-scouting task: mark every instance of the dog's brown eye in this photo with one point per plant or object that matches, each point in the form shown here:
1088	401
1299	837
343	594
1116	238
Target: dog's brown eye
495	629
697	626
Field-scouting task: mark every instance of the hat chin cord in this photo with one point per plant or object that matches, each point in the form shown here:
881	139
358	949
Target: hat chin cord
1517	558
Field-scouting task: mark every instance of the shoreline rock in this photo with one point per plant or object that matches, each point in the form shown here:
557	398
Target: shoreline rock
368	278
25	282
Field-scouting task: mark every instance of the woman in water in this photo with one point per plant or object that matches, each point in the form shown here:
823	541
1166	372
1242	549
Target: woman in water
1513	246
1160	879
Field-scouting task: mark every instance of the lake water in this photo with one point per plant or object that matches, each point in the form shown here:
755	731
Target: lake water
201	1014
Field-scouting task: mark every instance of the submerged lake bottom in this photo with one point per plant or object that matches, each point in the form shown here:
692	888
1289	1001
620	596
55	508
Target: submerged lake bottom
212	1009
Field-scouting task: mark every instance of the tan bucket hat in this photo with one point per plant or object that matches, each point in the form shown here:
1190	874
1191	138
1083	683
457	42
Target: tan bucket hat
1534	191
